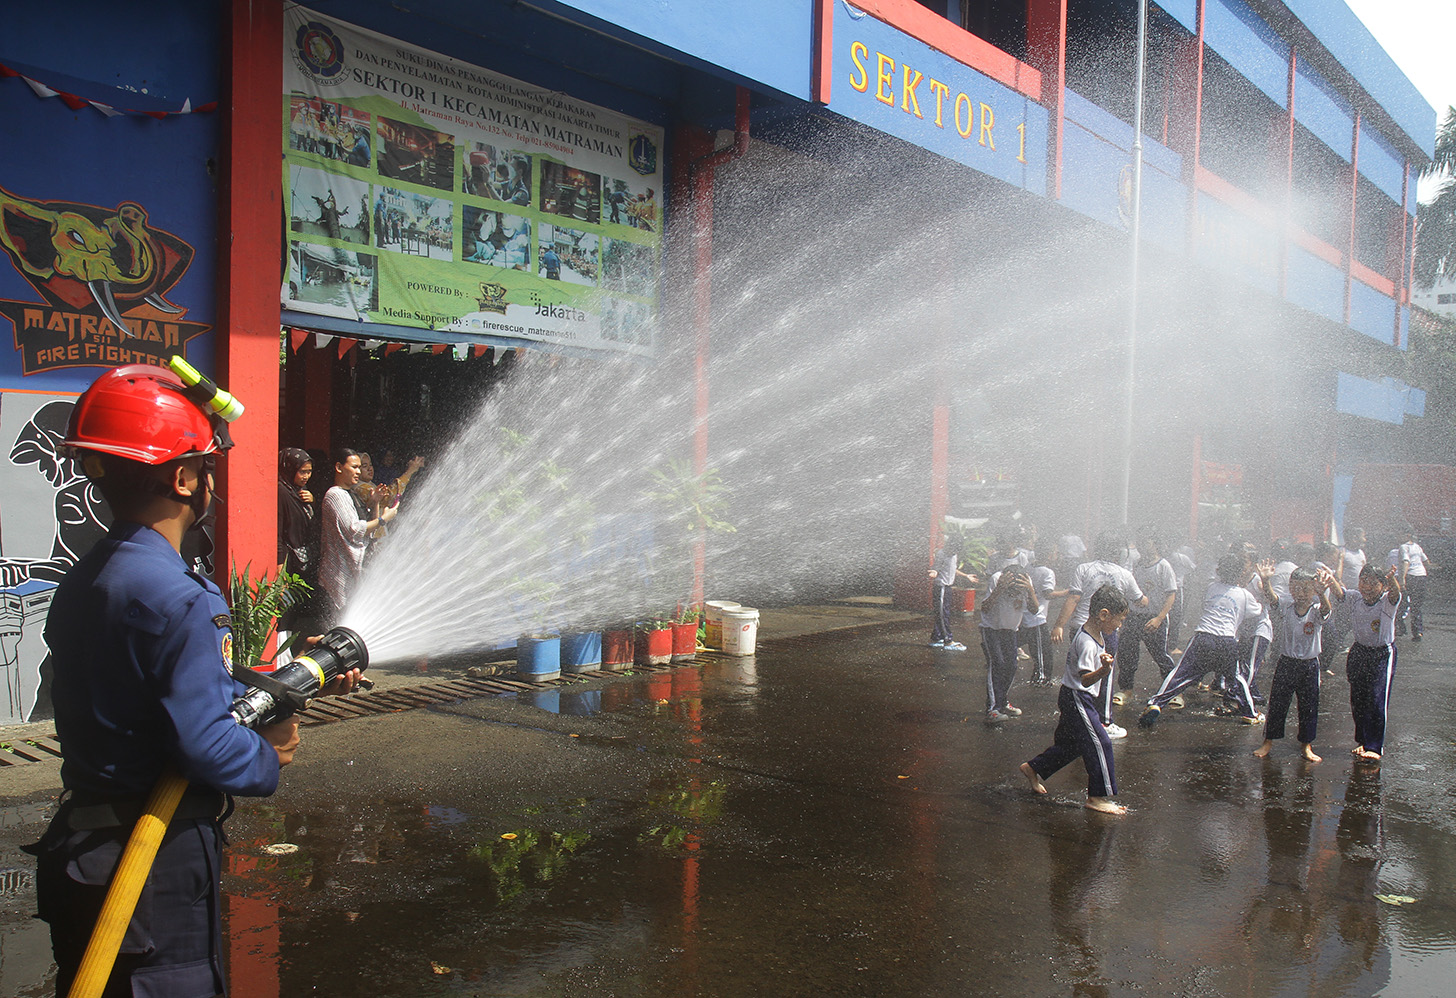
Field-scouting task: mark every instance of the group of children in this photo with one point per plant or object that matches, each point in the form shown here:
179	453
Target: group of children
1117	605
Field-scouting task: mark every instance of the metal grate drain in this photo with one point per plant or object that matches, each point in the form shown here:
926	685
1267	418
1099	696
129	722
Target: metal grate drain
326	710
25	751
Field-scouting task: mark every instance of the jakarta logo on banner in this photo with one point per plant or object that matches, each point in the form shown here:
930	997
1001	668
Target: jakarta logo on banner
430	193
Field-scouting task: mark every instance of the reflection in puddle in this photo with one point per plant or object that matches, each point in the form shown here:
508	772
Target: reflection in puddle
744	839
572	703
629	691
526	857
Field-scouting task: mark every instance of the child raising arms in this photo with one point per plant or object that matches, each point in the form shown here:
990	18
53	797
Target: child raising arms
1300	619
1371	662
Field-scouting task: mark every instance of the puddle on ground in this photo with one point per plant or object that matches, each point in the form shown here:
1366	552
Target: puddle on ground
819	830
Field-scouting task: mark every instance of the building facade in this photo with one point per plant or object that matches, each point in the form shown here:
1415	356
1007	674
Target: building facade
930	203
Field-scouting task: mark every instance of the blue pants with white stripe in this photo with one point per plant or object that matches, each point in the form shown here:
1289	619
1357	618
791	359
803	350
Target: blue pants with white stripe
1207	653
1294	679
1080	733
1038	641
941	630
1000	648
1369	671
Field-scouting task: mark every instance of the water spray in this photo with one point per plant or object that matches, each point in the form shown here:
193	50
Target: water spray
273	697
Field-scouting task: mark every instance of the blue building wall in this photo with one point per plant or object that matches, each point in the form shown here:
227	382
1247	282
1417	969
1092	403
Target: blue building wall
149	60
769	42
1337	28
77	178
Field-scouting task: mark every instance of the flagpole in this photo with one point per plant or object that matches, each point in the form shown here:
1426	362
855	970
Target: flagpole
1136	230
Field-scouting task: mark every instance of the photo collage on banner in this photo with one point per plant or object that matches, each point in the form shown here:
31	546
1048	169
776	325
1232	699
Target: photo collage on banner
426	192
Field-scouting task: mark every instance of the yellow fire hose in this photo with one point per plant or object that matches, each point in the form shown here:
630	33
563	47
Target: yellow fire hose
126	886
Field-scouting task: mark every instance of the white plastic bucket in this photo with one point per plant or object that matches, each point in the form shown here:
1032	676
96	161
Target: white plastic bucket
740	630
713	636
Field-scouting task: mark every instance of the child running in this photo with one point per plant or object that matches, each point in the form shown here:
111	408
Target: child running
1301	619
1214	648
1371	663
1080	730
1086	579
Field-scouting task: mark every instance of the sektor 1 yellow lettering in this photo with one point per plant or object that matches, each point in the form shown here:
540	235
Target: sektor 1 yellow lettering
858	51
971	118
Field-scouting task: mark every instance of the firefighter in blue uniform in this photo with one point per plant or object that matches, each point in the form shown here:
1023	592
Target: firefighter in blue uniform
142	649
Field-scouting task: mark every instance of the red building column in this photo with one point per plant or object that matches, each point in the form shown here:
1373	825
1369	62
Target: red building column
691	208
1046	48
249	240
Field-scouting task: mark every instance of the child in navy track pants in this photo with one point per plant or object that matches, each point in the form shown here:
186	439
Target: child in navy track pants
943	575
1012	595
1080	731
1301	619
1371	662
1226	605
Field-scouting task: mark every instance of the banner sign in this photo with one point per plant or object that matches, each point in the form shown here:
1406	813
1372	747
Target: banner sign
1217	473
429	193
893	82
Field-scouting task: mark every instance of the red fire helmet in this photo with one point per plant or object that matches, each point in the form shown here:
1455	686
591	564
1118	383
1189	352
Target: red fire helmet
140	412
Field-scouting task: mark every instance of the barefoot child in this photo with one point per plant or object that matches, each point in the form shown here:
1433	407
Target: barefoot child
1080	730
1371	662
1300	617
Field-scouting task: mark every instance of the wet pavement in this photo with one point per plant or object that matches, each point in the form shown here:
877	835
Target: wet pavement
830	816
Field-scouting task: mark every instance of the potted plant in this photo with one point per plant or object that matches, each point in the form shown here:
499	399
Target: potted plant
584	574
618	650
256	605
685	634
538	649
533	497
654	642
581	651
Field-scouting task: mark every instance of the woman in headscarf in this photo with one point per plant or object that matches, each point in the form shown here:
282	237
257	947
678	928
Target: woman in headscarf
297	550
297	534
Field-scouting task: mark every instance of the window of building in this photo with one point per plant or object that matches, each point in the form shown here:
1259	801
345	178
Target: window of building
1446	299
1000	22
1242	138
1321	195
1102	64
1377	229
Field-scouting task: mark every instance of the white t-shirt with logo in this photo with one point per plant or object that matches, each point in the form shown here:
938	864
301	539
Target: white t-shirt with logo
1371	626
1301	631
1157	581
1225	607
1351	562
1044	581
1006	612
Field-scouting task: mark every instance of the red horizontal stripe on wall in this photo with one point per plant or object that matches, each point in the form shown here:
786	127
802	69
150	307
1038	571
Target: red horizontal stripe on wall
956	42
1365	275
